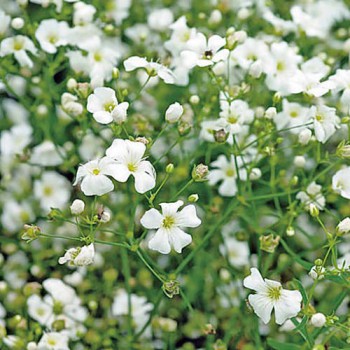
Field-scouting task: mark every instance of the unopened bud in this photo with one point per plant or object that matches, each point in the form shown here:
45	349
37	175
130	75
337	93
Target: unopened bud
200	172
169	168
269	243
193	198
313	210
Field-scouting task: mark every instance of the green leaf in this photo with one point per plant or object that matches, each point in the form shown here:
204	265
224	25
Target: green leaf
274	344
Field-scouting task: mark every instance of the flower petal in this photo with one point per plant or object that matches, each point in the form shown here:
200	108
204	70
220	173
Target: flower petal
171	208
262	306
160	242
288	305
187	217
152	219
96	185
255	281
179	239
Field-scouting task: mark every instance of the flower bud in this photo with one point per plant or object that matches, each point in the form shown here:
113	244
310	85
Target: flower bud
77	207
169	168
171	288
220	136
314	212
343	150
31	233
299	161
304	137
343	227
255	174
115	73
193	198
290	231
72	84
269	243
270	113
105	217
215	17
318	320
32	346
200	172
17	23
194	99
173	113
317	272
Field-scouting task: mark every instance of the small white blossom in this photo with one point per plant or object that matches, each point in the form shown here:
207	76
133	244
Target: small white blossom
94	176
128	156
18	45
53	341
105	107
174	112
270	295
168	225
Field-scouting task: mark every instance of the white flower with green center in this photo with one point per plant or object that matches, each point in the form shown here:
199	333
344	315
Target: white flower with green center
52	34
53	341
270	295
105	108
94	176
226	172
168	224
18	46
326	122
129	158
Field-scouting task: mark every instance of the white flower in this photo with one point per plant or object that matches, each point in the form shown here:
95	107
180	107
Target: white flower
344	226
129	161
47	154
304	137
341	82
203	53
160	19
226	171
83	13
168	224
313	195
39	310
70	105
93	176
341	182
307	79
237	252
318	320
292	115
52	34
152	68
325	122
14	140
53	341
270	295
4	22
80	256
140	308
77	207
52	190
105	108
174	112
18	46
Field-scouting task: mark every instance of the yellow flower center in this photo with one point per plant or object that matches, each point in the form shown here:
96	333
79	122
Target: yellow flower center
96	171
17	45
109	106
319	118
293	114
274	293
52	39
168	222
132	167
280	66
232	119
48	191
51	341
40	311
97	57
230	173
24	216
